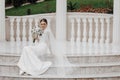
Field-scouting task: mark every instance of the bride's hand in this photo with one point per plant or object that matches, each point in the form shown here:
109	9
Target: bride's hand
38	39
35	36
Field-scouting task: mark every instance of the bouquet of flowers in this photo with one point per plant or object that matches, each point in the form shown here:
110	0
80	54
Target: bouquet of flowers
36	31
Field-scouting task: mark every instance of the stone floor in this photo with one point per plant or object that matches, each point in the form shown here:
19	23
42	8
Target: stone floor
8	47
93	63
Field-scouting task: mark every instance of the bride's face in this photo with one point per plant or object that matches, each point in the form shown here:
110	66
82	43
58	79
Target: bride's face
43	25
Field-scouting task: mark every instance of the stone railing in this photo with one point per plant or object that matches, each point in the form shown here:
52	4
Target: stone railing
81	27
90	28
18	28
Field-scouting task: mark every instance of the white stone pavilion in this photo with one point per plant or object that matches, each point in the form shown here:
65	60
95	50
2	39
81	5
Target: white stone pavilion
92	42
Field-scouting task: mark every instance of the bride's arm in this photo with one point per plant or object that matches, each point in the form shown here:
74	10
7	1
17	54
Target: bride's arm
35	37
38	38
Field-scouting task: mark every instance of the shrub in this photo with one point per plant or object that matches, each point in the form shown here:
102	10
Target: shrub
17	3
8	1
32	1
71	6
46	0
28	11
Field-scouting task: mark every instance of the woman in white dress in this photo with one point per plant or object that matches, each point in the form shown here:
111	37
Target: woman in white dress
30	61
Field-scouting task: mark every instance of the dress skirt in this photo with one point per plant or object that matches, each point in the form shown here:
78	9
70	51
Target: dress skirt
30	61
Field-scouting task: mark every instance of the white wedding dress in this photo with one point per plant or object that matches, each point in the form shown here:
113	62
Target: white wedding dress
30	61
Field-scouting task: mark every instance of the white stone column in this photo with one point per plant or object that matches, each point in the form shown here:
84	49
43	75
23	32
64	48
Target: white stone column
61	9
116	24
2	20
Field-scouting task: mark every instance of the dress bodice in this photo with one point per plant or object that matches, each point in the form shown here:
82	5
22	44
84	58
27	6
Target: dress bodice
44	37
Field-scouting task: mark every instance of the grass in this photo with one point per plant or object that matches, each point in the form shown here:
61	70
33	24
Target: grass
50	6
42	7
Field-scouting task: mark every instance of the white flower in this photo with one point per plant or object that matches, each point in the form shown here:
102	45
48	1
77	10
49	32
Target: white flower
37	30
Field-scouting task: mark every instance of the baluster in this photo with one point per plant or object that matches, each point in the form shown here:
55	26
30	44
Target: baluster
12	30
90	31
24	29
30	28
78	32
108	31
36	22
102	31
18	30
96	32
72	32
84	31
102	35
49	23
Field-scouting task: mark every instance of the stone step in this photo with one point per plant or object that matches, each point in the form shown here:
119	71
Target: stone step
78	59
14	58
77	69
103	76
94	58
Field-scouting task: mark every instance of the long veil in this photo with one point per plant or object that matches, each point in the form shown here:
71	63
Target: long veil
58	50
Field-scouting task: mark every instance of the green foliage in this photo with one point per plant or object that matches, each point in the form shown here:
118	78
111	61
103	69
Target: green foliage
8	1
110	5
93	3
28	11
71	6
17	3
38	8
32	1
47	0
49	6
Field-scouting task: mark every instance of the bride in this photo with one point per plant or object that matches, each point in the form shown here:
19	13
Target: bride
30	61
